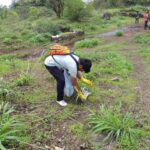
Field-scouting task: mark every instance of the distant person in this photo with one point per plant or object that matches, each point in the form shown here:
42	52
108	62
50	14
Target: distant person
146	20
149	20
137	17
106	16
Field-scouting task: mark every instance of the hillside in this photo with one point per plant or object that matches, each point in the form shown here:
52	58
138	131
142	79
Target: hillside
116	114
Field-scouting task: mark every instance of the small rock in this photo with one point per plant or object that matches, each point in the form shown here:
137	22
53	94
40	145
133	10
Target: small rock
115	79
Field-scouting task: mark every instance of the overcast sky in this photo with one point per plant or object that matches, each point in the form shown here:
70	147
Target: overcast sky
5	2
8	2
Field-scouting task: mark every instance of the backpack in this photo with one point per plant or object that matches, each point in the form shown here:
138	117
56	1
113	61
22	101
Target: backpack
57	49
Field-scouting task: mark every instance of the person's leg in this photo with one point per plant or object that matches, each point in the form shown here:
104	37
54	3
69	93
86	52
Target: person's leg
59	76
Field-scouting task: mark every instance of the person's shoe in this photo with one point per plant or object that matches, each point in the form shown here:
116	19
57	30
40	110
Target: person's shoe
62	103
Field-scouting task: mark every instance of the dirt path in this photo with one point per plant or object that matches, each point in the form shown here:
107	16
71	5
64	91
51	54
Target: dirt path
140	73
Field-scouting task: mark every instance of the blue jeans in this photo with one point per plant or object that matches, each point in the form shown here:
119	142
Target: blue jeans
59	76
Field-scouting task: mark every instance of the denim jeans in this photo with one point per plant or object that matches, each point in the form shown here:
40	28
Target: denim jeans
59	76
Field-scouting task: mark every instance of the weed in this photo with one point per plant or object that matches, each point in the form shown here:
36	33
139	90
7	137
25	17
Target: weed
8	41
8	126
78	129
116	125
23	80
5	90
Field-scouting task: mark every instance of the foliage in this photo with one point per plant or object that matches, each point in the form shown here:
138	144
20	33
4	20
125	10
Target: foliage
47	26
76	10
78	129
112	3
57	6
3	12
8	41
10	63
117	126
88	43
23	80
119	33
5	90
8	126
142	39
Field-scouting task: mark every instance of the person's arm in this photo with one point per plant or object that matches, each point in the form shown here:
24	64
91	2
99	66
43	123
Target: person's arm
77	88
75	83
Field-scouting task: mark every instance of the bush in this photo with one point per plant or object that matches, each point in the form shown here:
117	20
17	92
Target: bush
116	126
86	43
47	27
119	33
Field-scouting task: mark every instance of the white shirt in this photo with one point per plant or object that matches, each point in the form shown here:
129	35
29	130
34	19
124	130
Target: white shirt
64	62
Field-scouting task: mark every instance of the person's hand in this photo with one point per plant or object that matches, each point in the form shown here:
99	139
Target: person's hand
82	96
88	82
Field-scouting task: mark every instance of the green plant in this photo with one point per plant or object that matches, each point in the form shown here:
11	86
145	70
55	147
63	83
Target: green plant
7	41
86	43
77	129
23	80
142	39
8	126
116	126
119	33
38	38
76	10
5	90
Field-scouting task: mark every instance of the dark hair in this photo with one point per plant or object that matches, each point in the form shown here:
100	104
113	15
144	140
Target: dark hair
86	64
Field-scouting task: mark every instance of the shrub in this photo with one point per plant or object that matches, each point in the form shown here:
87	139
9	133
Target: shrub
116	126
86	43
119	33
8	126
47	27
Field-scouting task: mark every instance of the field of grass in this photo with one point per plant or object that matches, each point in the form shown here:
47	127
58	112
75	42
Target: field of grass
106	118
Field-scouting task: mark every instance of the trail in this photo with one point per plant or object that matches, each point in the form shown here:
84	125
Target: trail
142	104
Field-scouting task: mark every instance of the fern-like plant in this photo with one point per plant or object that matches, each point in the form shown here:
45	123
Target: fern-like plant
116	126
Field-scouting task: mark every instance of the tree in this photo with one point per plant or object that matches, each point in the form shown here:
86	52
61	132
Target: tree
77	10
57	6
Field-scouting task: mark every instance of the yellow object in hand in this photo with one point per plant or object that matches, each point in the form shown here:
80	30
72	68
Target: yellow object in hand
88	82
82	96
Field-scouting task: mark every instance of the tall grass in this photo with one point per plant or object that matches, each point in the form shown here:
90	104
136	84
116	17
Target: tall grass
116	126
8	126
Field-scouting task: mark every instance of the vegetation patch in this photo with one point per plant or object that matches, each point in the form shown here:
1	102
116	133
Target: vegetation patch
86	43
116	126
